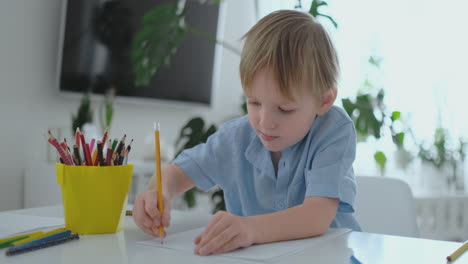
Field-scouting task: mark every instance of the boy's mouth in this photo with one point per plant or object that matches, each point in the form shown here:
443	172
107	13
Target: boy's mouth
266	137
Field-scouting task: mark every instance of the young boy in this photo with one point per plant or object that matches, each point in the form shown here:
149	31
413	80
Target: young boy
286	168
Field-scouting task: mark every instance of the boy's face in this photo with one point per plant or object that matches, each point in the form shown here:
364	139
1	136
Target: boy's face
279	122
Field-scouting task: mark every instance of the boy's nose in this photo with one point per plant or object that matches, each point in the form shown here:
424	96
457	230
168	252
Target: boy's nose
267	121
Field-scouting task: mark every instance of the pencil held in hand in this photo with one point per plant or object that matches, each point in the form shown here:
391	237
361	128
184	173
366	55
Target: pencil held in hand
158	178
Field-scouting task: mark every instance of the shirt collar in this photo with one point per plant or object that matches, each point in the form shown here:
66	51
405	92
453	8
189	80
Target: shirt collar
260	157
257	154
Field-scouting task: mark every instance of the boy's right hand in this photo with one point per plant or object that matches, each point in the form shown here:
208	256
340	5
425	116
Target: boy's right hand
146	214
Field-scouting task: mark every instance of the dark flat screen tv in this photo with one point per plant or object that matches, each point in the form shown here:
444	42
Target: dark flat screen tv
97	44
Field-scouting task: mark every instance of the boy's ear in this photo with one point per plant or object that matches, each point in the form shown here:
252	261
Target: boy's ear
327	101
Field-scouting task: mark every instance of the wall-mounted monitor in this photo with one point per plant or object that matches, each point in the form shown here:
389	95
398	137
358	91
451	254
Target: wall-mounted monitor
97	45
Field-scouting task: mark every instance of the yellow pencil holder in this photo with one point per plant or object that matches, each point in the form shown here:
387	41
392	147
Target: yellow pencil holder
94	198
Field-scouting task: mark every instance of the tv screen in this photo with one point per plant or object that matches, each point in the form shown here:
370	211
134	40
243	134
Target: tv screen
97	46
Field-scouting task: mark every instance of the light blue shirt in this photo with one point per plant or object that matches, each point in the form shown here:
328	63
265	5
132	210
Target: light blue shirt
320	164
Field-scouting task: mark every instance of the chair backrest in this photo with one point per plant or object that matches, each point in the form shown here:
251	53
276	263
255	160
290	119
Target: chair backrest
386	206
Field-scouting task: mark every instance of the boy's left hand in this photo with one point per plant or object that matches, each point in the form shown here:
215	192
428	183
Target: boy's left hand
225	232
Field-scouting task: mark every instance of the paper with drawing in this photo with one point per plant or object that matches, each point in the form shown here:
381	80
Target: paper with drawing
183	241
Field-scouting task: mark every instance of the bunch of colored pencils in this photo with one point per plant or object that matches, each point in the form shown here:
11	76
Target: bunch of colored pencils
84	154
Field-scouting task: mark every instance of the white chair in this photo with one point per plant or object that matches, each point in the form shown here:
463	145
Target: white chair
386	206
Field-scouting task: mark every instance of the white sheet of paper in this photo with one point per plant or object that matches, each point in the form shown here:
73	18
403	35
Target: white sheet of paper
266	252
11	224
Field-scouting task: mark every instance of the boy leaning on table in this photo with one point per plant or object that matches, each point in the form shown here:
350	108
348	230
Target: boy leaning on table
286	167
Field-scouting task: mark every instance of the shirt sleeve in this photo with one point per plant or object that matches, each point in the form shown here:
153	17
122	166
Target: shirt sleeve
331	172
204	163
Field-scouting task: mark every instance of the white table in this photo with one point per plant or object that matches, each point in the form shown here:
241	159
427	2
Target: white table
121	247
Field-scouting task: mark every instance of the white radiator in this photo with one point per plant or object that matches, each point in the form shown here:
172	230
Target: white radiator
443	218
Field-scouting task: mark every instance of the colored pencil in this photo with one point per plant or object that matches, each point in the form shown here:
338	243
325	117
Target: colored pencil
91	145
458	252
77	138
76	151
83	145
11	241
104	137
100	154
60	150
21	249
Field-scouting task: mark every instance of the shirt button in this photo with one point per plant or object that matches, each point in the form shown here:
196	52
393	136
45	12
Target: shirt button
281	205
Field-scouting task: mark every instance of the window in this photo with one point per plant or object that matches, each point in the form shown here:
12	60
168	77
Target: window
423	45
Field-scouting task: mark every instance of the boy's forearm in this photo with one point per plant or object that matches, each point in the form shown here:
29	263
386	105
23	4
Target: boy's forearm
174	181
312	218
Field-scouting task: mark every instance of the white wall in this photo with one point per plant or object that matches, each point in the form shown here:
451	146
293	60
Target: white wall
30	102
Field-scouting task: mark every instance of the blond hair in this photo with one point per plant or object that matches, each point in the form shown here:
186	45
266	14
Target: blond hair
296	48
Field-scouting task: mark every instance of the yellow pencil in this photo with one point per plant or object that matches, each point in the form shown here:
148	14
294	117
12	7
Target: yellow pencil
94	157
18	236
458	252
38	236
29	238
158	179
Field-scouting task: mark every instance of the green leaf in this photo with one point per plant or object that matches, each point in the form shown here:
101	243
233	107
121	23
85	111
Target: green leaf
381	159
375	61
218	198
380	96
368	85
153	46
244	108
399	139
210	131
315	13
190	198
85	113
109	114
348	106
395	115
194	133
314	7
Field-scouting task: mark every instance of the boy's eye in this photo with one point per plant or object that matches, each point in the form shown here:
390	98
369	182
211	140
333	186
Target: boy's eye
254	103
286	110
